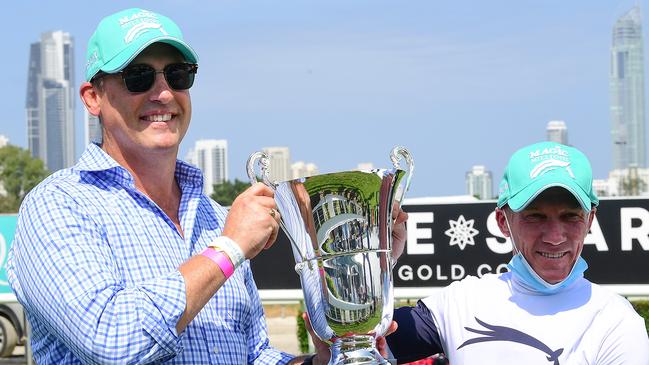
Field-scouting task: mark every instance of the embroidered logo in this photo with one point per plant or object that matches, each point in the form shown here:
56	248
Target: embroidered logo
549	159
140	23
140	29
501	333
549	165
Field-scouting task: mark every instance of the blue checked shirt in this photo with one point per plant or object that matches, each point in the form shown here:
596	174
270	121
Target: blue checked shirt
95	264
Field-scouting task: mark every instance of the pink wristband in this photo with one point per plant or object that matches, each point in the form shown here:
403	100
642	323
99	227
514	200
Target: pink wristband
221	259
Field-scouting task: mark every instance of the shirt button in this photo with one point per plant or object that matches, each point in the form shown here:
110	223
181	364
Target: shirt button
215	350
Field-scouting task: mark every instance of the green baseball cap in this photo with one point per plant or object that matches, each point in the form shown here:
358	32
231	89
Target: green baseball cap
120	37
540	166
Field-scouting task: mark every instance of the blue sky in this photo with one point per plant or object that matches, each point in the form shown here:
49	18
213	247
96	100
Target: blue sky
342	82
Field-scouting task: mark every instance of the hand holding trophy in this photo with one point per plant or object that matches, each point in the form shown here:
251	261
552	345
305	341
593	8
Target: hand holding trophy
340	229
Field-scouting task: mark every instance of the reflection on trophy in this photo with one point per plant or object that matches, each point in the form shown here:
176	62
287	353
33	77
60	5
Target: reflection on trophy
340	229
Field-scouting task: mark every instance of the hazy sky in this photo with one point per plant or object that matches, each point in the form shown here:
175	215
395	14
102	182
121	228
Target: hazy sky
342	82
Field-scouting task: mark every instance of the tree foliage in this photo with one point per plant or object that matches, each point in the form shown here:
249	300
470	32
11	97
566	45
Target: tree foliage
226	192
19	173
302	334
642	307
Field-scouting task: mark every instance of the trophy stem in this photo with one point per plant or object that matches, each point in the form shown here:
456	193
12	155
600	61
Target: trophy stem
356	350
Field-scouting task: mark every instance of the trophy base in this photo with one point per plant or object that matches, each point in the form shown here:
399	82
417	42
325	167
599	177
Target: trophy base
356	350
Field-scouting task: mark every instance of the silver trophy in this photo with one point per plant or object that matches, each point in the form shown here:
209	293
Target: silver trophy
340	229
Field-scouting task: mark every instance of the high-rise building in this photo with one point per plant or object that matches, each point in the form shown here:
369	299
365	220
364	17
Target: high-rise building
302	169
627	92
93	128
211	156
280	163
190	156
479	182
556	131
50	100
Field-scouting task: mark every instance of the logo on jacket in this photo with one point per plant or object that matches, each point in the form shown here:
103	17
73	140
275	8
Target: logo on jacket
501	333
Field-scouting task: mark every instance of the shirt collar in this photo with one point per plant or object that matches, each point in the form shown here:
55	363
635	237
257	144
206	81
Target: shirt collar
94	159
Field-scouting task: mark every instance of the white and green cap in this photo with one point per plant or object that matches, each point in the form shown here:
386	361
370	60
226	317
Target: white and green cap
540	166
120	37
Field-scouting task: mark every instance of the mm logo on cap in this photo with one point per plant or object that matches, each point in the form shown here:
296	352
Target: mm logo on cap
140	23
549	159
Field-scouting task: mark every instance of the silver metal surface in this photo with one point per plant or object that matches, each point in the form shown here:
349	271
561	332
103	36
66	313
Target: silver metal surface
340	228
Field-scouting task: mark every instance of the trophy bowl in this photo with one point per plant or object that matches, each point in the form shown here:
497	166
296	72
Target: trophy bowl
340	229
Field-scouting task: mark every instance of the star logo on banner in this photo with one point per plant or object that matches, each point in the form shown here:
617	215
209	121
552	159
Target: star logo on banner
461	232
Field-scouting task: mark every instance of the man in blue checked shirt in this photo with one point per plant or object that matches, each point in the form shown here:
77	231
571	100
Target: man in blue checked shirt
121	259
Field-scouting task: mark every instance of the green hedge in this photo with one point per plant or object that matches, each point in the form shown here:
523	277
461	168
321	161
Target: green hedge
302	332
642	307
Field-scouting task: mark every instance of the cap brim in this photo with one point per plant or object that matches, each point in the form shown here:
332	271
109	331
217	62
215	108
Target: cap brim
128	55
524	197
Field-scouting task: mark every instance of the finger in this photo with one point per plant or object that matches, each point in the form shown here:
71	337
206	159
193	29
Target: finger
307	322
266	202
261	189
322	348
275	214
391	328
272	238
382	345
401	217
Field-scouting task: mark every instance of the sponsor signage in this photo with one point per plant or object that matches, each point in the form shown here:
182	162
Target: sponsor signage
447	242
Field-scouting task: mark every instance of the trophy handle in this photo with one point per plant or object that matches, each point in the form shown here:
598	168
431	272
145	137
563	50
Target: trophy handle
264	163
397	153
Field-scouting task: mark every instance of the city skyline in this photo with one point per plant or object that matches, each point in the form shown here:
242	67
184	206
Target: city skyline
628	123
343	83
479	182
211	156
50	100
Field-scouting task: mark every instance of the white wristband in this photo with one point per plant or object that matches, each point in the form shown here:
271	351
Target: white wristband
230	248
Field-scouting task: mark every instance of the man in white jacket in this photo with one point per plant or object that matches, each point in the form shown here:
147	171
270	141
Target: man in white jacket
542	311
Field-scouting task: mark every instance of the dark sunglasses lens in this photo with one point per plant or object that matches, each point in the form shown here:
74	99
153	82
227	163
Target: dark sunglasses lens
180	76
139	78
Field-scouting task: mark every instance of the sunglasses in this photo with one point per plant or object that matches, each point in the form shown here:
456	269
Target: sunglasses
140	78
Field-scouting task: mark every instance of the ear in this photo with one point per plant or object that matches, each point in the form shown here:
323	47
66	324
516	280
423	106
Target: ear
90	98
502	223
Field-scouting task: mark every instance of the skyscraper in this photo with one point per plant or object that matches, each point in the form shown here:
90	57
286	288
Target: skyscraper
557	131
211	156
50	100
627	92
479	182
93	128
280	163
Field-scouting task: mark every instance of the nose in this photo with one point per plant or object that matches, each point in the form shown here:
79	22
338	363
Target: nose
161	92
554	233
